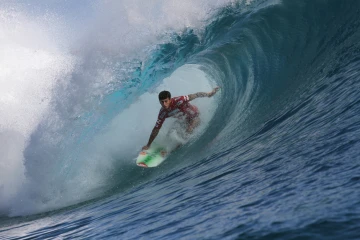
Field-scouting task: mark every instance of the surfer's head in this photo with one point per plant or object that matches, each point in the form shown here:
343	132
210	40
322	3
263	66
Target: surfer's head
165	99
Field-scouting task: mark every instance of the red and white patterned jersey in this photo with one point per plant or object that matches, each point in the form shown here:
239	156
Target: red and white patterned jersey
180	107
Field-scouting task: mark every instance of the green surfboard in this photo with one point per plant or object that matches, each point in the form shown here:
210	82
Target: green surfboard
152	157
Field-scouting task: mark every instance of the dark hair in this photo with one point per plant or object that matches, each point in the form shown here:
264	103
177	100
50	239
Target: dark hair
164	95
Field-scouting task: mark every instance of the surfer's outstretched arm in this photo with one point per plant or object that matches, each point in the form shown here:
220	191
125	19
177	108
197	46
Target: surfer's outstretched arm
161	118
203	94
153	135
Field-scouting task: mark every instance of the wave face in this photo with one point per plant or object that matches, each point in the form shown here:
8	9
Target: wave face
277	155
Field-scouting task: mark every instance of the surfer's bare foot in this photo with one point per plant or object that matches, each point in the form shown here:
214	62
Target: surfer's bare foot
163	153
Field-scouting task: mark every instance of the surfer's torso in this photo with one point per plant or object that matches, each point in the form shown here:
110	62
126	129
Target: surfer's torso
180	107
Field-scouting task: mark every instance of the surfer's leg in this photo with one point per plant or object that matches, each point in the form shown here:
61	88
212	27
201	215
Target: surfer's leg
174	128
192	124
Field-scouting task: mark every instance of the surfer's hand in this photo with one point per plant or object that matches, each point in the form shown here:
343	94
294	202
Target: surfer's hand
210	94
145	147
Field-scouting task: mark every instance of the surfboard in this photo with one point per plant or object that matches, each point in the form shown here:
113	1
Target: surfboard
152	157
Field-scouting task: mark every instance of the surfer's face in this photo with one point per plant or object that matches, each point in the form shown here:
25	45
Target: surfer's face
165	102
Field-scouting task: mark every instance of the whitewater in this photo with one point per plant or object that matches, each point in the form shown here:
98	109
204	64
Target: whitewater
276	155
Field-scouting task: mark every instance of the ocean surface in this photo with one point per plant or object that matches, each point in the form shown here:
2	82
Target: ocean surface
277	155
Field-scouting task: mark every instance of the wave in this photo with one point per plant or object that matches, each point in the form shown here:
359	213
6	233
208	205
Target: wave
273	61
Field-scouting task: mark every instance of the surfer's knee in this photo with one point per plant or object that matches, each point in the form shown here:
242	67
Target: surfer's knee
192	124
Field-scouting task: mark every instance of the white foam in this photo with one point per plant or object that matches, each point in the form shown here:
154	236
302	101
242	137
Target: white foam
30	65
134	24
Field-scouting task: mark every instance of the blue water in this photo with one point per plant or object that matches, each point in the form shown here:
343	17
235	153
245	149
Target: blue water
280	157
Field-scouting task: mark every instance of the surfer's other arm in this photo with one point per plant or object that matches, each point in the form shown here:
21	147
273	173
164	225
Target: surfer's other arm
161	119
203	94
153	135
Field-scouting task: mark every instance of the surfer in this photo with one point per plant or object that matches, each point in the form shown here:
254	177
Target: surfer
178	107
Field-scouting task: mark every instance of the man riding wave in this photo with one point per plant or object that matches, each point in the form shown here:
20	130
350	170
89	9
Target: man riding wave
178	107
